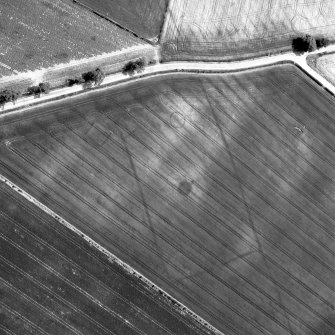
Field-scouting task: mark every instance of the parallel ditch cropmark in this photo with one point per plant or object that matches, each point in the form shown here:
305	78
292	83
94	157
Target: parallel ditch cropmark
249	213
228	262
144	203
113	131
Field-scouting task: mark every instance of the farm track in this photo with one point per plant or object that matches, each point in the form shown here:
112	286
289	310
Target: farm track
139	261
96	260
162	69
124	251
143	238
125	140
29	247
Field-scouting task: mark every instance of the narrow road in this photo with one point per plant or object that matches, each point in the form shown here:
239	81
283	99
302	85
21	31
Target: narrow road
171	67
159	69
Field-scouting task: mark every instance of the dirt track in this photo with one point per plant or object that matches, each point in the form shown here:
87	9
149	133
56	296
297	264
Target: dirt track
192	180
210	67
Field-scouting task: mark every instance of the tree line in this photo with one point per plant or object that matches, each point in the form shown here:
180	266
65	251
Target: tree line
87	79
11	95
308	43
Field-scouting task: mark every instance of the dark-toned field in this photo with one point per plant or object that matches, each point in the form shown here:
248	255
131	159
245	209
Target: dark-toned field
218	188
144	17
53	282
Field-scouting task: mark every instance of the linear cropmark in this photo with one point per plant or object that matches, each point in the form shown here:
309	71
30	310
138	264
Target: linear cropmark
218	188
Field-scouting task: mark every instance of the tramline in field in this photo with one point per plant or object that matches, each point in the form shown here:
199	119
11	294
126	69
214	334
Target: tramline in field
230	30
54	282
204	184
145	17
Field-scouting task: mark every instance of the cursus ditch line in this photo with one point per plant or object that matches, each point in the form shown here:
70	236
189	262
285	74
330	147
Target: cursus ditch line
112	258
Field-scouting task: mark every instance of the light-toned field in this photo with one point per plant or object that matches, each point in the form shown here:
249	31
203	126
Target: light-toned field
38	34
230	29
53	282
218	188
57	75
324	64
144	17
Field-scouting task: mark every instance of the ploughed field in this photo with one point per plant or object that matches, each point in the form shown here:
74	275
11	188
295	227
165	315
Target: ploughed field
218	188
226	29
144	17
54	282
38	34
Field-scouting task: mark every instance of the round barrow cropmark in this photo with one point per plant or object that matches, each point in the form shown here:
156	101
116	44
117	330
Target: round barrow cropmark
299	23
177	120
185	187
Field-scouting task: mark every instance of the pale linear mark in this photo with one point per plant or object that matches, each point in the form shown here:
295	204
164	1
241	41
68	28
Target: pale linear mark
110	255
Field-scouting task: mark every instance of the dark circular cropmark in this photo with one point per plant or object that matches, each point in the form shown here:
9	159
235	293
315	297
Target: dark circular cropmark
185	187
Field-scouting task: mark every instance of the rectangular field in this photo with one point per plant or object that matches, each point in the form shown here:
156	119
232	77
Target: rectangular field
53	282
144	17
218	188
230	29
38	34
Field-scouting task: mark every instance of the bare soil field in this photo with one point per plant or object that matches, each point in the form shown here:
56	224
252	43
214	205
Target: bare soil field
218	188
324	64
53	282
40	33
227	29
144	17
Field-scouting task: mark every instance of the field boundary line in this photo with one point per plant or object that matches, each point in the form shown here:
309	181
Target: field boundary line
316	77
112	258
74	62
114	22
117	80
164	24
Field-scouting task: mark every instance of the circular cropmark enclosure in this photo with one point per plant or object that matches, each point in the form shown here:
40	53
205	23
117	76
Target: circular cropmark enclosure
218	188
177	120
